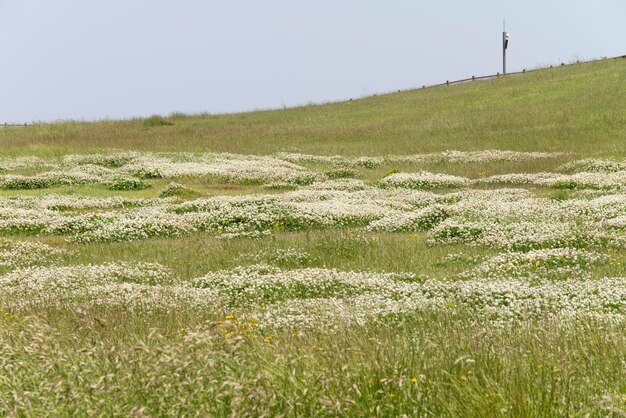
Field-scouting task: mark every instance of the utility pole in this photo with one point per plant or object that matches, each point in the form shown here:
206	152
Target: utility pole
505	44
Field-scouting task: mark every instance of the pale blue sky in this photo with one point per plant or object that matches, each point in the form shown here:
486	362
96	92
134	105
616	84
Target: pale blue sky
94	59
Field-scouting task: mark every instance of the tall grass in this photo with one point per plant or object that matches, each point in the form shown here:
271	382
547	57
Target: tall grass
91	363
579	108
82	360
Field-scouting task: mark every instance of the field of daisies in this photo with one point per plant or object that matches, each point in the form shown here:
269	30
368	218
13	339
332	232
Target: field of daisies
219	284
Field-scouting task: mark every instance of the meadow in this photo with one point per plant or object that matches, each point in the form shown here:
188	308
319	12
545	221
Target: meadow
449	251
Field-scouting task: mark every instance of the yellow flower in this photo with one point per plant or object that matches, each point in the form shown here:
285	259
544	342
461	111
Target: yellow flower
414	380
229	317
392	395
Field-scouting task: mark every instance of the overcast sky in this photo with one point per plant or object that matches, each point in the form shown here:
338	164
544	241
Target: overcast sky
95	59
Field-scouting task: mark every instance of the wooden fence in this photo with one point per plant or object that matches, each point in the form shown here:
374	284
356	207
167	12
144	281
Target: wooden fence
8	125
497	75
447	83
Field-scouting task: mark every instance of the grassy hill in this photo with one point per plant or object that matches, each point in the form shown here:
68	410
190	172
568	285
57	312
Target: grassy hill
363	272
579	108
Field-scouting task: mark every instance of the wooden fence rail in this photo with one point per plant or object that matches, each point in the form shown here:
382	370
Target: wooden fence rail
23	125
524	71
447	83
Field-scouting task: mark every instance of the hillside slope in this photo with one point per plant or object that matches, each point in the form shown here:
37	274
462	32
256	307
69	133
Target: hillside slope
474	284
579	108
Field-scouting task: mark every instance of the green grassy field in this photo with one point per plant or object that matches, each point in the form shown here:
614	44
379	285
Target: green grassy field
449	251
578	108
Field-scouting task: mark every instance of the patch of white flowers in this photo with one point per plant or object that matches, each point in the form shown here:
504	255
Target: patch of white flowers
549	245
124	170
418	220
454	157
538	265
593	165
465	157
312	297
424	180
172	189
25	253
140	287
518	220
339	184
326	297
26	162
230	167
513	219
500	302
581	180
56	202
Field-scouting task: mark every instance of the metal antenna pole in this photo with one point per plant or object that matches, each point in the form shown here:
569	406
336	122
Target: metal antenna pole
505	41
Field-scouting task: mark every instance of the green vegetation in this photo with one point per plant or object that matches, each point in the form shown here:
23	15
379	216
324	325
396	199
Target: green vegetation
144	272
579	108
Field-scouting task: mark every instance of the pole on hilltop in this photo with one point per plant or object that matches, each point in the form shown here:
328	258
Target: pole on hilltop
505	44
